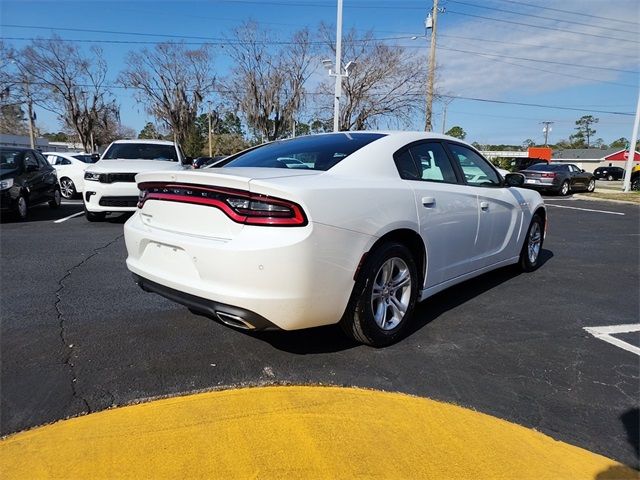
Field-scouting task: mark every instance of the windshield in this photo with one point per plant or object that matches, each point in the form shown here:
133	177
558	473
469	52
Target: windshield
313	152
141	151
10	159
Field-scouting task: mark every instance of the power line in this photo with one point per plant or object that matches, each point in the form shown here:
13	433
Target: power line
565	64
540	26
570	12
564	49
531	15
455	97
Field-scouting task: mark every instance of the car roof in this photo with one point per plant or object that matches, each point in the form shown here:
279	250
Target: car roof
141	140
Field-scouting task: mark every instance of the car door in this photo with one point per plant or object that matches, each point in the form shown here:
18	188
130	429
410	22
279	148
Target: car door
447	211
33	177
499	211
48	178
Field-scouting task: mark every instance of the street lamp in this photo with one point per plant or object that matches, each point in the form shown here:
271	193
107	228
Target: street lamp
328	65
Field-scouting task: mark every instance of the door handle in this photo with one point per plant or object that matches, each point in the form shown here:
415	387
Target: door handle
428	201
484	206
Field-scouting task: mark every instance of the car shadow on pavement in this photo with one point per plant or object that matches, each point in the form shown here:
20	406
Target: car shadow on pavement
331	339
430	309
41	213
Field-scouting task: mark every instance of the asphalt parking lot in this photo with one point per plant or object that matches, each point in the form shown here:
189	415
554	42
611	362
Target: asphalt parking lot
78	336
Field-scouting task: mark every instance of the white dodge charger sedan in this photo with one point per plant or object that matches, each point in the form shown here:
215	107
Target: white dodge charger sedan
351	228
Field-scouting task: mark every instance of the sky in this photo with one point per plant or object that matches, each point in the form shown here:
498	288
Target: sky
564	59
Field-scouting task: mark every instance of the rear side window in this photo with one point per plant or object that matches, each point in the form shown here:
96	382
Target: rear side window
314	152
476	170
425	161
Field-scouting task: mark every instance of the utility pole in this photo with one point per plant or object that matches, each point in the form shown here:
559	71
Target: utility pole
338	90
632	150
32	127
432	64
546	129
444	115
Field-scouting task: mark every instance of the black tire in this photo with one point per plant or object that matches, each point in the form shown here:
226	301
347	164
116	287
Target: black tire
94	216
635	183
67	188
591	186
57	199
22	208
359	320
564	189
610	178
535	235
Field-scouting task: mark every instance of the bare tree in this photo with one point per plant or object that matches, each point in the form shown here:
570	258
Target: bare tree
171	81
75	83
267	85
386	81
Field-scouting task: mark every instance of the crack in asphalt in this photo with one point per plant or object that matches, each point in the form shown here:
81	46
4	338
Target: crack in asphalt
67	348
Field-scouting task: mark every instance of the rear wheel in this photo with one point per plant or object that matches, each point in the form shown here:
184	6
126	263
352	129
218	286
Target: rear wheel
67	188
564	188
635	183
383	298
94	216
592	185
530	253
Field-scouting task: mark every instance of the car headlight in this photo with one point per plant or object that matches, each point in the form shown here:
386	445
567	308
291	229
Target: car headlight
4	184
92	176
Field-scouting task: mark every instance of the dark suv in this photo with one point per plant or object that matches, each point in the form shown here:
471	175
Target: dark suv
609	173
26	179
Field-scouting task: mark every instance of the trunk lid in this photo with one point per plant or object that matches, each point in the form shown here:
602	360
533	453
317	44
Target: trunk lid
202	220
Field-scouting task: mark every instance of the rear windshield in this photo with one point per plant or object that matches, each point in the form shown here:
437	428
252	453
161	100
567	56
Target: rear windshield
546	167
141	151
83	158
313	152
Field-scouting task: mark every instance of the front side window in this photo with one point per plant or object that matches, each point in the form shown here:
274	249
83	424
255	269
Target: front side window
141	151
314	152
476	170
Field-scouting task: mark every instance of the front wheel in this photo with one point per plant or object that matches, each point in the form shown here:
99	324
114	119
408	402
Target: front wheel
592	185
21	208
57	199
530	253
610	178
384	296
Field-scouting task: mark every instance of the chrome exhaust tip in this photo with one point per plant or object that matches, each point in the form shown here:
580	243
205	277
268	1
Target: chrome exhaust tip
234	321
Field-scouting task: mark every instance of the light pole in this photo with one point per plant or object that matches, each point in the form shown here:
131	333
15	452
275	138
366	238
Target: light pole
444	114
338	92
432	65
210	147
631	153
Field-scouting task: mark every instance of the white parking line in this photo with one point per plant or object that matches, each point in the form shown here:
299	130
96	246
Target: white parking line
585	209
67	218
605	333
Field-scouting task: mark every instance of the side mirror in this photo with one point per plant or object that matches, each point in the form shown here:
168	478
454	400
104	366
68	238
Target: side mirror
582	170
187	161
514	180
95	157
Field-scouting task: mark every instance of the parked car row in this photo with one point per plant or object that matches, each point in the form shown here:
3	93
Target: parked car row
560	179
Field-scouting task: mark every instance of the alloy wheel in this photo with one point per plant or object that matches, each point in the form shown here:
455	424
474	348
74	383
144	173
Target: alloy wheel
22	207
391	293
67	187
535	240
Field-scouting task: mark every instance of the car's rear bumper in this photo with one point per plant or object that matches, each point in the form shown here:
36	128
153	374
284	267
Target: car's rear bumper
291	277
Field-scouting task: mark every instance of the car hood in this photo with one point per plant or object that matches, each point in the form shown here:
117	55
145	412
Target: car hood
132	166
8	173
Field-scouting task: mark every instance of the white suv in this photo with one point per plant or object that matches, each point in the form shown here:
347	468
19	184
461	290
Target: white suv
110	184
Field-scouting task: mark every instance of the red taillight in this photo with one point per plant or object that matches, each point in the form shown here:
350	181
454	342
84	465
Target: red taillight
239	205
548	175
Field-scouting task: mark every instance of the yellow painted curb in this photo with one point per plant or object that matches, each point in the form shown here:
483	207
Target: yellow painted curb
296	432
